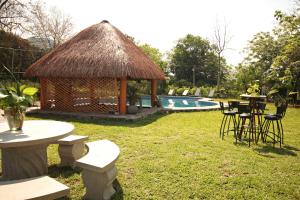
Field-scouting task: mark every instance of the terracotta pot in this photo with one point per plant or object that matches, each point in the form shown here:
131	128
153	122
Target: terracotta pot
15	118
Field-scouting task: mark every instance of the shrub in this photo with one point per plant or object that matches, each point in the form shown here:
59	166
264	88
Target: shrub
204	91
192	91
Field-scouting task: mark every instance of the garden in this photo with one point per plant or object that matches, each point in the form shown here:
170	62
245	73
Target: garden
72	111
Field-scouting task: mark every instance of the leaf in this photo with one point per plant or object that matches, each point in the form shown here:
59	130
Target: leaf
2	96
12	89
22	87
272	92
30	91
249	90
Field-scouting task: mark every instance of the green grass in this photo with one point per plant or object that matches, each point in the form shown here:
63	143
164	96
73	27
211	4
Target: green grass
180	156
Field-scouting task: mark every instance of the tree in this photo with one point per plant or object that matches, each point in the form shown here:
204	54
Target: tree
285	69
51	26
274	57
11	14
193	59
16	54
221	40
155	55
262	50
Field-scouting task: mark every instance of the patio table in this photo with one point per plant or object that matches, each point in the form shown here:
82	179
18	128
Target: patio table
254	112
24	153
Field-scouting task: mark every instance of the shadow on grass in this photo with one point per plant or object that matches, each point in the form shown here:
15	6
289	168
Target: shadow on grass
285	150
119	191
241	143
104	122
65	172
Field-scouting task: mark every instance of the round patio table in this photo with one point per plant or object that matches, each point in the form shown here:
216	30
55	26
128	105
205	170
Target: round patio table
24	153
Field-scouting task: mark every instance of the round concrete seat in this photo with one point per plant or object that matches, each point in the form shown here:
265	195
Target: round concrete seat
100	156
99	169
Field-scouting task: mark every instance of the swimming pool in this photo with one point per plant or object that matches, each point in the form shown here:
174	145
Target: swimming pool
182	103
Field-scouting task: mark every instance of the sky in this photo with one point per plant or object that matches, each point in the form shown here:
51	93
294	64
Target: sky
161	23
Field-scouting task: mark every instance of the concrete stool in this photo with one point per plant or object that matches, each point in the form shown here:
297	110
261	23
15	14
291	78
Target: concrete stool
99	170
70	149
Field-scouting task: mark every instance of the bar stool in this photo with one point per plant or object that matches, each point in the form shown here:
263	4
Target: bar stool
226	114
244	114
277	133
233	105
259	112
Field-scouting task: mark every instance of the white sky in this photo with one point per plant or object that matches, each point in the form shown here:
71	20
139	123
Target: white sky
161	23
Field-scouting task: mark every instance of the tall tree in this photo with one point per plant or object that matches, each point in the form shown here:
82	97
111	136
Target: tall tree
51	25
193	59
220	41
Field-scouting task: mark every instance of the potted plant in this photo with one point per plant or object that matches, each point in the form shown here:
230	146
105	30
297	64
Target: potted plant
14	98
254	89
133	97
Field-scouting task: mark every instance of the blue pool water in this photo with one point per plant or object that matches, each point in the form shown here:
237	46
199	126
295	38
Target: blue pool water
178	102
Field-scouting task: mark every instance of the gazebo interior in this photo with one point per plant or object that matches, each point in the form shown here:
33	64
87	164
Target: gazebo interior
101	95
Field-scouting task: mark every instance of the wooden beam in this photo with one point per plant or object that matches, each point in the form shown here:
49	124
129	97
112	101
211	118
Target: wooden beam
43	91
123	89
154	93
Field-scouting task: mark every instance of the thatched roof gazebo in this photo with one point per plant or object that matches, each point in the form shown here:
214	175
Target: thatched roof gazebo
89	72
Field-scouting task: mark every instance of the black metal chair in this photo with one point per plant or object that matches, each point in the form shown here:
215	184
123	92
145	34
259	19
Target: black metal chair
227	114
276	135
233	105
244	114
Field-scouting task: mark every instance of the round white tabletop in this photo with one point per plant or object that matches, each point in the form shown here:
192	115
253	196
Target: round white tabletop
24	153
34	132
253	97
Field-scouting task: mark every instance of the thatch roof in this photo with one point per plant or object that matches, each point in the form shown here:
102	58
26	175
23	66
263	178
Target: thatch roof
100	50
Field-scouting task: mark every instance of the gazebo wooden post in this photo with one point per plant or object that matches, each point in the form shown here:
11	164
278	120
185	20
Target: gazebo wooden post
43	86
153	92
123	90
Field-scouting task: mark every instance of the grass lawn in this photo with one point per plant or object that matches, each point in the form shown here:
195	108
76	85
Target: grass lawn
180	156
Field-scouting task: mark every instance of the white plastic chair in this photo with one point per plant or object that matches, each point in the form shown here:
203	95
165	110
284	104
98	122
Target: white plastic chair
211	93
171	92
185	92
198	92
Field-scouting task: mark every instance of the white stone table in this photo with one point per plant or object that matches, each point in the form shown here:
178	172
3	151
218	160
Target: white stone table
24	153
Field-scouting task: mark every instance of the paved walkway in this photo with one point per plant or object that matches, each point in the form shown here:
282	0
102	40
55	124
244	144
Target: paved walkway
141	114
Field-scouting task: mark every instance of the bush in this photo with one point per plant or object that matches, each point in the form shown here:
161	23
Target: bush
183	83
204	91
192	91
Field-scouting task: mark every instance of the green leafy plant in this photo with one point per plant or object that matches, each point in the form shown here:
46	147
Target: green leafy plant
253	89
132	92
16	96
